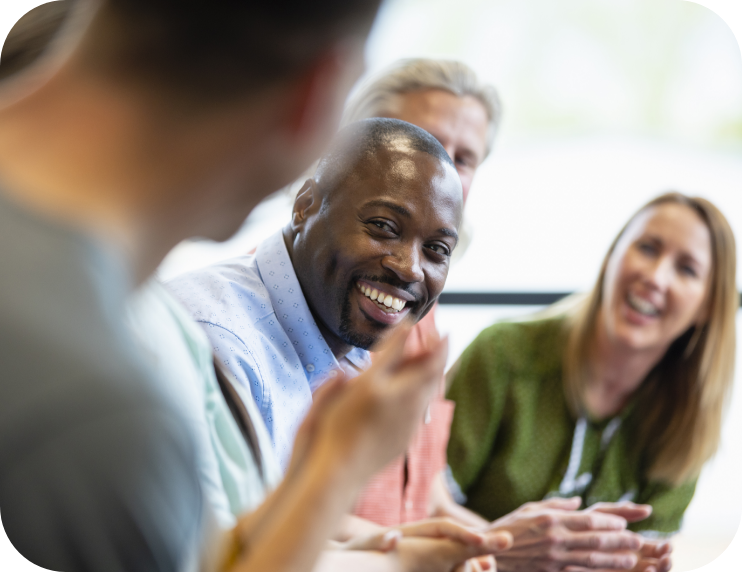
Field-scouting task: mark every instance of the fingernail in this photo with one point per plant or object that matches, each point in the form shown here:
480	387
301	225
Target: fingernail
392	534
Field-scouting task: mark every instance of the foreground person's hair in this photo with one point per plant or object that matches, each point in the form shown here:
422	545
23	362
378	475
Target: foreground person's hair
217	49
679	406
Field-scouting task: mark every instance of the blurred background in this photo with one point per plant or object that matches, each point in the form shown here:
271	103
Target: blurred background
607	103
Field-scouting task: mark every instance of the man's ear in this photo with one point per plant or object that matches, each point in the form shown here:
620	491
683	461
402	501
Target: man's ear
305	200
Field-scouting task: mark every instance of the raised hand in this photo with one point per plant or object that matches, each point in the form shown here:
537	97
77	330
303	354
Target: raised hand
368	421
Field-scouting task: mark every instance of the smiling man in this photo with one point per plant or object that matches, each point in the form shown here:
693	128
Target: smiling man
368	247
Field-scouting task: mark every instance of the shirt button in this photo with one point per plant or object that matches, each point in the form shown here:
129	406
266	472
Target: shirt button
310	367
333	373
408	505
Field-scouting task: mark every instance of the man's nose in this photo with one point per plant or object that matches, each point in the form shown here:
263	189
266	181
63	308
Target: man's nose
405	262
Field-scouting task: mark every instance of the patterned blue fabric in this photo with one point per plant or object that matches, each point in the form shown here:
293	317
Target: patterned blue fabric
260	326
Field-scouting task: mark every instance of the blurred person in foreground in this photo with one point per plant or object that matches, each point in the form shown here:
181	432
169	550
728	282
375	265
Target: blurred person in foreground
114	145
617	395
447	99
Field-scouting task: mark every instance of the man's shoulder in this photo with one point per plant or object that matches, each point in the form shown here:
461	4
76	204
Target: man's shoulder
230	294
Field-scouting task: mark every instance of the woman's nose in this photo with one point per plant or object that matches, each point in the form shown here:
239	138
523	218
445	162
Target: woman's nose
660	274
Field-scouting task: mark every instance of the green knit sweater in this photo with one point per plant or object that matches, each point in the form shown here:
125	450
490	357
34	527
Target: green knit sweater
514	440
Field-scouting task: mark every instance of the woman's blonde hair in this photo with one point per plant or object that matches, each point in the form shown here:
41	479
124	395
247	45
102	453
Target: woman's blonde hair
679	406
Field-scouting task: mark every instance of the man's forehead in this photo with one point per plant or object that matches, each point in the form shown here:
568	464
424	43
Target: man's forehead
400	162
408	178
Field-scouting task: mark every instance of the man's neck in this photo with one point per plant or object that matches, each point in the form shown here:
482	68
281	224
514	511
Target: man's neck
337	346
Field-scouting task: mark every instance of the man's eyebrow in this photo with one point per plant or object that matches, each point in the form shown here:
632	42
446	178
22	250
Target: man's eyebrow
399	209
449	232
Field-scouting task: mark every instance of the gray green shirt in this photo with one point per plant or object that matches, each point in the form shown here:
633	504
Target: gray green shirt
182	357
514	439
97	471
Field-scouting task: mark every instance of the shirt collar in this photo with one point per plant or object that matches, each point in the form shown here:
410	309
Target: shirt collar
292	312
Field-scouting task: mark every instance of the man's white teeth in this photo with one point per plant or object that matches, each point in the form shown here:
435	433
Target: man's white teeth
386	302
641	305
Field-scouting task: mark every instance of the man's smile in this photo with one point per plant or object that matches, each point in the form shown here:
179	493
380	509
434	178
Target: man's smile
381	305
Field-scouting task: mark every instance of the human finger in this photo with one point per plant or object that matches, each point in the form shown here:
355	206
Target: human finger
632	512
305	436
487	563
596	560
553	503
603	541
664	564
580	521
498	541
420	376
468	566
655	549
382	542
321	399
392	350
443	528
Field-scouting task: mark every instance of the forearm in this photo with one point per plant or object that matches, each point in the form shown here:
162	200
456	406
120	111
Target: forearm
301	519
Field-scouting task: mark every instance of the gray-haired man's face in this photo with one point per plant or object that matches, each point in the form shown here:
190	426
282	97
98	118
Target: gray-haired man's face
459	123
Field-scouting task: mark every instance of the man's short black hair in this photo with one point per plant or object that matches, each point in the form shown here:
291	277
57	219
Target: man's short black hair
362	140
221	48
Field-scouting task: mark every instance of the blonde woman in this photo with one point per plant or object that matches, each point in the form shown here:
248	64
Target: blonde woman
616	396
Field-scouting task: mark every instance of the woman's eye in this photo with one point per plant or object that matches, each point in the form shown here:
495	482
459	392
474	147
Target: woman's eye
688	270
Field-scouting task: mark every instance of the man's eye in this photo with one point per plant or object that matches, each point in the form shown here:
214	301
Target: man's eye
440	249
385	226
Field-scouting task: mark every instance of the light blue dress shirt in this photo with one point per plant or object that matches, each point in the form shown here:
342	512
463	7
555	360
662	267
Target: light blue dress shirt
261	329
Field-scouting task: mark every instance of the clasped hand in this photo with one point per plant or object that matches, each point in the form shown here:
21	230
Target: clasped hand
436	545
552	536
